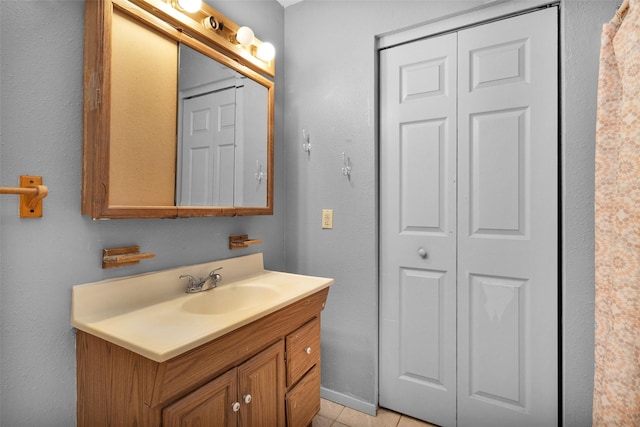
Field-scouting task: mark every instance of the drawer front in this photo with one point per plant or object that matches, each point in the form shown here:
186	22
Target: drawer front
303	401
303	350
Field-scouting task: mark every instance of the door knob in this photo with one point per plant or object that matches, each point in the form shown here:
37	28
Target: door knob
423	253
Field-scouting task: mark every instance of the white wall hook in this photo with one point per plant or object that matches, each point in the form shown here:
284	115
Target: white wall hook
346	168
259	174
306	144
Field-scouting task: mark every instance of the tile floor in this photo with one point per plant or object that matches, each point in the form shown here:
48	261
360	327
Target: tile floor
335	415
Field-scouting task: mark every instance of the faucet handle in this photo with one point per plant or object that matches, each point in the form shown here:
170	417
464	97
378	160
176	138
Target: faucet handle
216	277
188	276
192	281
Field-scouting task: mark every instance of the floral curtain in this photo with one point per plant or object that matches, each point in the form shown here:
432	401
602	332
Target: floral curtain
616	400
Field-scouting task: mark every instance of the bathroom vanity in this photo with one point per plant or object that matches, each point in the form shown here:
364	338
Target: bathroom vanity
163	360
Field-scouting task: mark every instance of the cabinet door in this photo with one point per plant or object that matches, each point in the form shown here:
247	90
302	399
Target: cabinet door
261	388
209	406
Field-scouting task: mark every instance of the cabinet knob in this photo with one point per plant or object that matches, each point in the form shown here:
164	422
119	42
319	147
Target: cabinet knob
246	398
307	350
423	253
235	406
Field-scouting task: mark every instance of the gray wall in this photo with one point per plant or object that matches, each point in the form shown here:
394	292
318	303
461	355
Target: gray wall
582	23
41	46
330	92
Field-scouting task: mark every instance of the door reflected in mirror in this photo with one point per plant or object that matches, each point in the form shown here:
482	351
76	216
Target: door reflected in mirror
222	128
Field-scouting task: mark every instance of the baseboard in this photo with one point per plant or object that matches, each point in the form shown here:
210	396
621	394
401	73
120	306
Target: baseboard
348	401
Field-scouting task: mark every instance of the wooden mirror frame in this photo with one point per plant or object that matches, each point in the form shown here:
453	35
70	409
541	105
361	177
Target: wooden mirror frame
183	28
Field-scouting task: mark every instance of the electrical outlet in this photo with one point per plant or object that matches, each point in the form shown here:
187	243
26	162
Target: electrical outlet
327	218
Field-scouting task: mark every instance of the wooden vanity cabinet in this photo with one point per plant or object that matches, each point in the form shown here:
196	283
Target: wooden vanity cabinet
118	387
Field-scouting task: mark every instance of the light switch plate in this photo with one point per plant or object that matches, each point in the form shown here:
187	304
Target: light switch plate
327	218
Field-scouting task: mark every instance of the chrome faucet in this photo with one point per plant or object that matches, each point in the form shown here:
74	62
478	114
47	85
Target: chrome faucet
206	284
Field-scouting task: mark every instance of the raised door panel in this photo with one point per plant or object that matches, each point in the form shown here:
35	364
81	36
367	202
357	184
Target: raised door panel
261	389
209	406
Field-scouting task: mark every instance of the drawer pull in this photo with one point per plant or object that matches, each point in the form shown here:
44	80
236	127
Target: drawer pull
235	406
246	398
307	350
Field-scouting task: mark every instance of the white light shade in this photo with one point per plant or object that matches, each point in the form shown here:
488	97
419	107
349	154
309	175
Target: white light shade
244	36
266	52
190	6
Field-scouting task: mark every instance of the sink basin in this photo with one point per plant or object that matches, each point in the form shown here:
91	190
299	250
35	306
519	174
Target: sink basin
226	299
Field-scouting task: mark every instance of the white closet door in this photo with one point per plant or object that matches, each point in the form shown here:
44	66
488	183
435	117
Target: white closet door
417	229
508	223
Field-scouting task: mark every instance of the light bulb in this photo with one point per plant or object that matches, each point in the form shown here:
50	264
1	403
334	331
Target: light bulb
266	52
190	6
244	36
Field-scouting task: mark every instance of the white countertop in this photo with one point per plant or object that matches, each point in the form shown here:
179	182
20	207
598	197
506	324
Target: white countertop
145	313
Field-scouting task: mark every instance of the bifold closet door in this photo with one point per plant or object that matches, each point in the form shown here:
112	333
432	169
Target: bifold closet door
469	225
418	229
508	222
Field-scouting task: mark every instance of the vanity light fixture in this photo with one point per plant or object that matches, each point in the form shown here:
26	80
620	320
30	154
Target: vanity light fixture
206	24
190	6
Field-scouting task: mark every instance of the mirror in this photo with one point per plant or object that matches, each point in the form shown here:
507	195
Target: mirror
222	126
172	126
